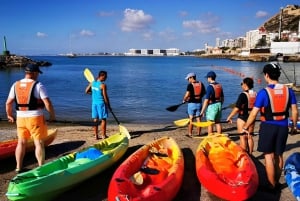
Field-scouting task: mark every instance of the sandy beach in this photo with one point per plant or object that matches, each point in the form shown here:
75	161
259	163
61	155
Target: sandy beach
72	137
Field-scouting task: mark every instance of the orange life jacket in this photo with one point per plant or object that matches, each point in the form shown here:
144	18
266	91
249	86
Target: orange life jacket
24	96
197	90
278	108
218	93
251	96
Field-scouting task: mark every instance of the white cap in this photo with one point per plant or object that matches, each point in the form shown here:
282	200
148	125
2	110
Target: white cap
190	75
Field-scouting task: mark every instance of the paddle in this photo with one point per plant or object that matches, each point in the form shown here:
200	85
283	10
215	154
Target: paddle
207	123
232	105
88	75
223	135
174	107
185	122
122	128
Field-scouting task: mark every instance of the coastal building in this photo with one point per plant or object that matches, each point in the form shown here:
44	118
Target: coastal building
153	52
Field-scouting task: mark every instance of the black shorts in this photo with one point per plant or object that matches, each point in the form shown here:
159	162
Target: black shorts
272	138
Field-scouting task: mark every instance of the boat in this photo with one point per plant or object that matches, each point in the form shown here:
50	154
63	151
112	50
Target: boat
7	148
55	177
225	169
292	173
153	172
71	55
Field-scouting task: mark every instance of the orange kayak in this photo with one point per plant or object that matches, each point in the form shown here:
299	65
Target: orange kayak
153	172
225	169
7	148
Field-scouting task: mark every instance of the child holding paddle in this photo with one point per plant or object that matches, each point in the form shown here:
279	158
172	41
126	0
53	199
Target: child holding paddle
193	95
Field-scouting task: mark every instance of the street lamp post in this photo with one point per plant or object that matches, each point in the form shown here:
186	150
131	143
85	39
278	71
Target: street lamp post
280	23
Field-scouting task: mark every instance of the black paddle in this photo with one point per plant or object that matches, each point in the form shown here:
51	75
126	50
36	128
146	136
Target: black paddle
174	107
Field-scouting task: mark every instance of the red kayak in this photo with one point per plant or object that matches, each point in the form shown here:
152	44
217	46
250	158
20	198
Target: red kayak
153	172
225	169
7	148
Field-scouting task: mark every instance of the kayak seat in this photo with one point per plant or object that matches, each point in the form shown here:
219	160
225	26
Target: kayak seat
79	162
91	153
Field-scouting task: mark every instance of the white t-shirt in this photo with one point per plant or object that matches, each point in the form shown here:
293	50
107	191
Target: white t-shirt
40	92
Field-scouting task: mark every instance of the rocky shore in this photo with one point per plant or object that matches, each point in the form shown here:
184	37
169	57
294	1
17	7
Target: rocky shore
15	61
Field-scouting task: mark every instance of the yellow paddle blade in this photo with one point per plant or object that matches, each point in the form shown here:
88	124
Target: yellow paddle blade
88	75
124	131
182	122
137	178
203	124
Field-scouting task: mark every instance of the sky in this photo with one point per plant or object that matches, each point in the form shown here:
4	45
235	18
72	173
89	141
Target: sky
49	27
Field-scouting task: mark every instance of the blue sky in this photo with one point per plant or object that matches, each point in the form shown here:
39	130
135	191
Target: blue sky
38	27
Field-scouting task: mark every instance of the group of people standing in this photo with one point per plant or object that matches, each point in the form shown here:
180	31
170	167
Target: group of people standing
274	102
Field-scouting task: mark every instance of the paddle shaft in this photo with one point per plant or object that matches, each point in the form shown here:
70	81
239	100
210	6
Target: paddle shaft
114	116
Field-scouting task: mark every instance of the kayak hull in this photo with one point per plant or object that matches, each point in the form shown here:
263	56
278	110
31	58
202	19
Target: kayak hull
7	148
53	178
224	169
161	183
292	174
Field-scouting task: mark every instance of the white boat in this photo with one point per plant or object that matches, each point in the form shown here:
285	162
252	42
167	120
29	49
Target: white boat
71	55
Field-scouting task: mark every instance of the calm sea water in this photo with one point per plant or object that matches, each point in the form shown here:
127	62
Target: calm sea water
140	88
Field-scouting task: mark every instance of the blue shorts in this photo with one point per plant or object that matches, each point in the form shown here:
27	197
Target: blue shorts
194	109
99	111
272	138
214	112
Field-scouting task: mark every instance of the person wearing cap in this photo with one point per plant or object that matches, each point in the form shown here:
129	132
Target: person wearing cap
193	95
243	106
213	101
100	102
30	97
274	103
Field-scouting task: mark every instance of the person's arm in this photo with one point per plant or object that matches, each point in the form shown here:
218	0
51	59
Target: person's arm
234	111
251	119
105	96
49	107
9	109
88	89
186	97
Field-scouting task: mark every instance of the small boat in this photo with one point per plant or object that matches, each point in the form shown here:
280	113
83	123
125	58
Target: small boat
55	177
7	148
71	55
225	169
153	172
292	173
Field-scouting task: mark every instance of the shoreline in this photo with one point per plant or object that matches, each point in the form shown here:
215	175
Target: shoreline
71	138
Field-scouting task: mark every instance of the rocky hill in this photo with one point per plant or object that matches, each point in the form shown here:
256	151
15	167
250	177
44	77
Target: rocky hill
290	20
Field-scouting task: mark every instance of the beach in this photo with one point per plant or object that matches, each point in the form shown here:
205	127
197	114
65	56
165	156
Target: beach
72	137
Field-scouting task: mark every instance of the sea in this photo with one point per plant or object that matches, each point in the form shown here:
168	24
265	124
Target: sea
139	88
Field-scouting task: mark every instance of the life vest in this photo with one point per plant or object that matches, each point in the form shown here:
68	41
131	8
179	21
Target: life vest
251	96
218	93
24	96
197	90
277	108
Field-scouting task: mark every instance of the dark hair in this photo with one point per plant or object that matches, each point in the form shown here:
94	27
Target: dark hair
249	82
102	73
273	70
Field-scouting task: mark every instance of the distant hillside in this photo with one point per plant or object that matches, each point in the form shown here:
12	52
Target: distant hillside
290	20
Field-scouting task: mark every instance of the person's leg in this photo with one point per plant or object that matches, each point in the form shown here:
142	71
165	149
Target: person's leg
103	128
198	128
39	151
250	139
96	129
270	168
219	128
20	153
278	167
240	123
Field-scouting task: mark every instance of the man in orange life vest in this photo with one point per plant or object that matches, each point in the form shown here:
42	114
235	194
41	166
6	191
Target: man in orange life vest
243	106
213	102
274	103
30	97
193	95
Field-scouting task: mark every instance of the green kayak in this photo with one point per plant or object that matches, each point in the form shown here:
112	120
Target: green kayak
53	178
